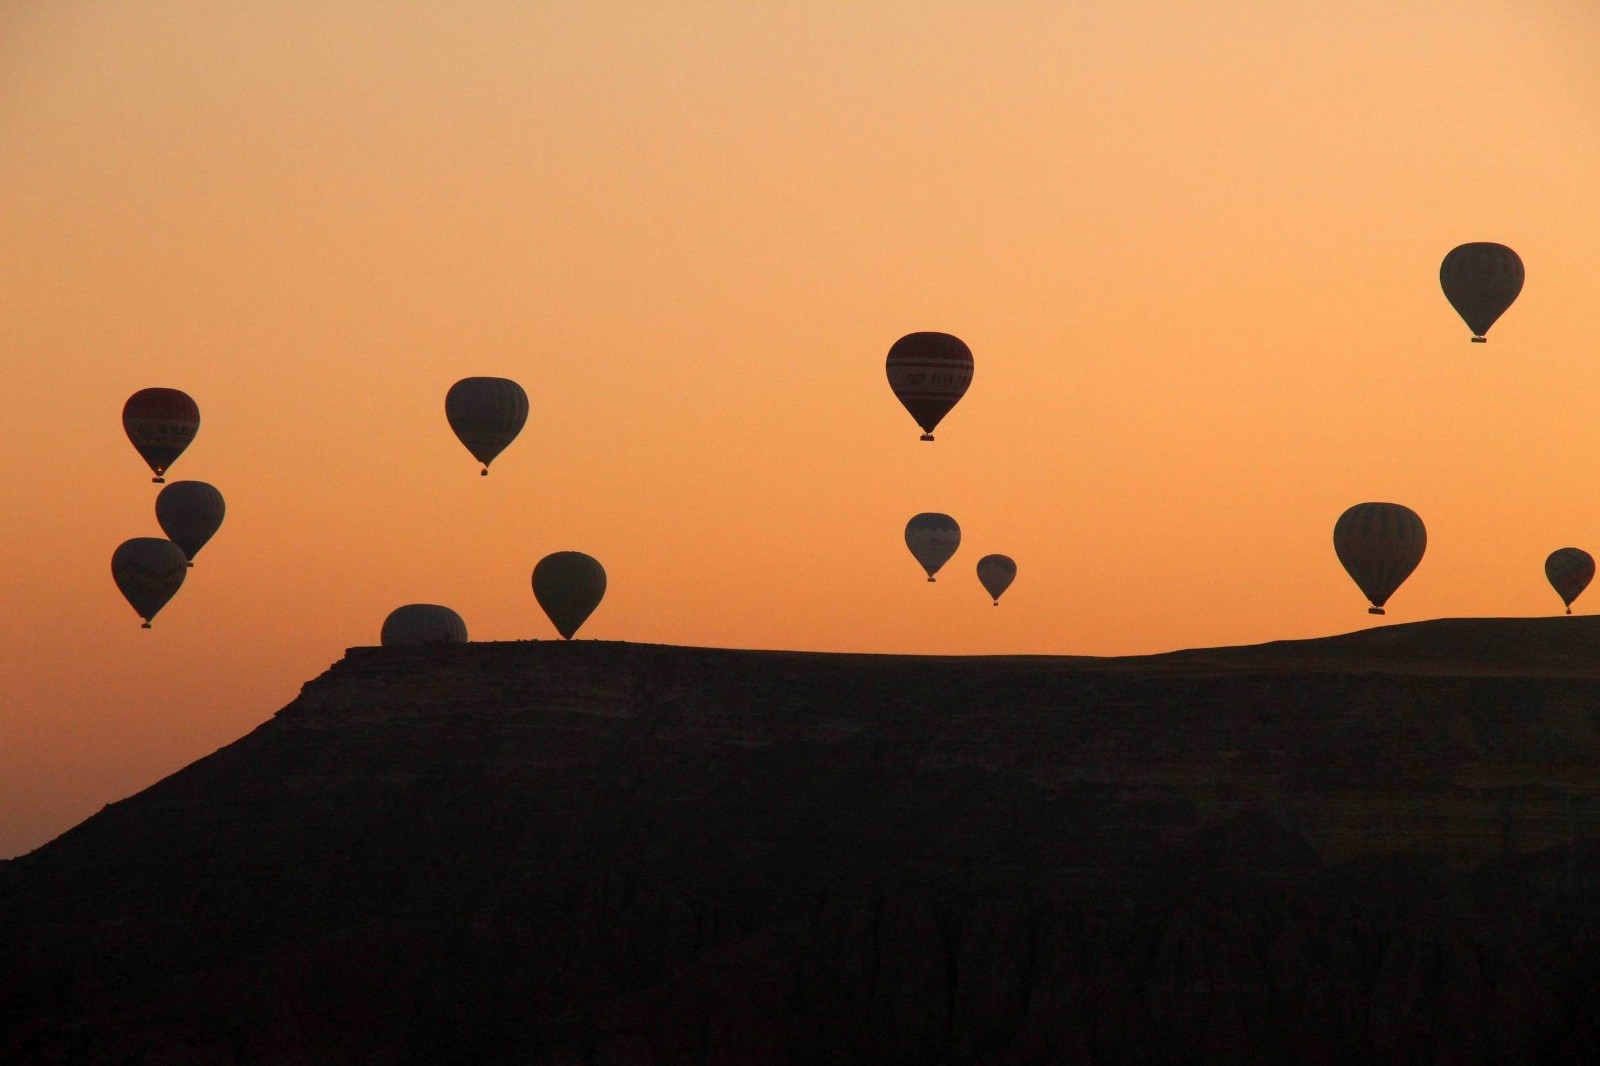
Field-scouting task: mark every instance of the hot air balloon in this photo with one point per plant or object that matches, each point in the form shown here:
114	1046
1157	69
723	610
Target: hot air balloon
996	573
190	513
160	423
1481	280
929	372
486	414
1570	570
1379	545
932	538
149	571
569	586
423	623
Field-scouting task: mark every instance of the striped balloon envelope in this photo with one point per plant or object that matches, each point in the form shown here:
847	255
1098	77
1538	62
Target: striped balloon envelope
1481	280
1379	545
1569	571
486	415
929	372
160	423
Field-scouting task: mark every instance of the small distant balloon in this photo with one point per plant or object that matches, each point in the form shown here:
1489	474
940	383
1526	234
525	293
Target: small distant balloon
569	586
932	538
929	372
996	573
1379	545
423	623
160	423
1481	280
149	571
190	513
1569	571
486	415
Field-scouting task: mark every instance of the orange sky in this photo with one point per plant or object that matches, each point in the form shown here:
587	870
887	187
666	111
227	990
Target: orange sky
1193	246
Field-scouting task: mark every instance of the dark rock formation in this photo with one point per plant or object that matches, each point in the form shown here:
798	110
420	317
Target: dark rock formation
1378	848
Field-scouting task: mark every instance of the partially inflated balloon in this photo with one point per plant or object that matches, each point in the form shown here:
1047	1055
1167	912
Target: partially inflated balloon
160	423
190	513
569	586
423	623
932	538
996	573
1481	280
1379	545
486	415
149	571
929	372
1569	570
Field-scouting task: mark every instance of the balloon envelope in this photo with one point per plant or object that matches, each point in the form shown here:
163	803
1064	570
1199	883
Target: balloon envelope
486	415
1481	280
569	586
929	372
160	423
423	623
1569	571
932	538
1379	545
996	573
149	571
190	513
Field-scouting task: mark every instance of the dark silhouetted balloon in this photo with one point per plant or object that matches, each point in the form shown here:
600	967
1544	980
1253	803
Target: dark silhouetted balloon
149	571
932	538
1570	570
423	623
569	586
929	372
486	414
1379	545
160	423
1481	280
190	513
996	572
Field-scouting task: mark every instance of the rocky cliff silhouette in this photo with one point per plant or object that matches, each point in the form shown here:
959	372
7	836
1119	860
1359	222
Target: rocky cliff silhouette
1377	848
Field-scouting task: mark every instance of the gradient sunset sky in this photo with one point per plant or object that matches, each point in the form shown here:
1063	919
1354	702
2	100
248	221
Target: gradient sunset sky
1193	245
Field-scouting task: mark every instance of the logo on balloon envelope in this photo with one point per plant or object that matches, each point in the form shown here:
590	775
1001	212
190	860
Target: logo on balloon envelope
929	373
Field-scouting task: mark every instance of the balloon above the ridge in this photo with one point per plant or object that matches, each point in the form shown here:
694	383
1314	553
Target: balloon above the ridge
929	373
996	573
190	513
161	423
1569	571
422	623
1379	544
486	415
1481	280
932	538
569	586
148	571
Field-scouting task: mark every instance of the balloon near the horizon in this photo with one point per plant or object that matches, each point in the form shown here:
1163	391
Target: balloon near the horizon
190	513
932	538
995	574
1379	545
1481	280
929	372
149	571
422	623
486	415
569	586
1569	571
161	423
